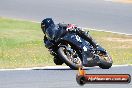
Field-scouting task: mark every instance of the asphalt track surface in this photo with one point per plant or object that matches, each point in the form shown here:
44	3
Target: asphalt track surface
57	78
98	14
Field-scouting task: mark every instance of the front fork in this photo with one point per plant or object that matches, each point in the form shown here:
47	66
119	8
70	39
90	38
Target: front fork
89	58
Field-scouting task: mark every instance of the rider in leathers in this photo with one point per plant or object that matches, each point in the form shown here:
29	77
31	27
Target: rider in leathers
69	28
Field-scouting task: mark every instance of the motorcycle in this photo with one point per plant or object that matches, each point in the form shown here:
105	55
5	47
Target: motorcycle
71	49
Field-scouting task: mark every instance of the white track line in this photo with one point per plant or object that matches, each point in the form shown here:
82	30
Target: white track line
81	27
53	68
96	29
107	31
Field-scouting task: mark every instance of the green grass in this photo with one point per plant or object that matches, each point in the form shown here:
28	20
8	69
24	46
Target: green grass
21	45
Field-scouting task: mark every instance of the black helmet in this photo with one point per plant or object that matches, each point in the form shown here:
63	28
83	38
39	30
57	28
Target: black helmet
46	23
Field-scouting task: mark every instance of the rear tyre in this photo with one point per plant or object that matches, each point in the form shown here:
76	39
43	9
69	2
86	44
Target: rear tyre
67	57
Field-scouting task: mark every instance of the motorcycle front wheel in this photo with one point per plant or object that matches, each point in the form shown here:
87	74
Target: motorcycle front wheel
105	61
70	57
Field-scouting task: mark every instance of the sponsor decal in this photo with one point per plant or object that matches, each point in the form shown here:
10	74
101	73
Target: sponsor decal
83	78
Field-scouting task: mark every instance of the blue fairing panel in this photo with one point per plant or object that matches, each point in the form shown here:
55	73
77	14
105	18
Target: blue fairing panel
76	40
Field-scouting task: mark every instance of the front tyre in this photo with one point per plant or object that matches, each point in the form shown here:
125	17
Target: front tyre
70	58
105	61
